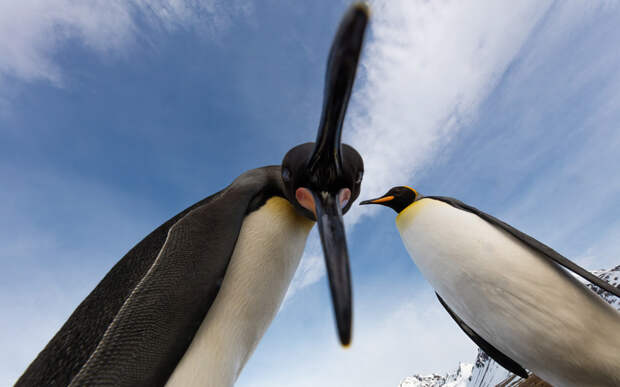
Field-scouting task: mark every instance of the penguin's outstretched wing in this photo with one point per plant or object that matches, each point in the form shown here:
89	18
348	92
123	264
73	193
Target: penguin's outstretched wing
534	244
135	325
68	350
490	350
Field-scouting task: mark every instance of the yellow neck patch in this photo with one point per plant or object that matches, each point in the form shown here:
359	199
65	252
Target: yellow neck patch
410	212
281	207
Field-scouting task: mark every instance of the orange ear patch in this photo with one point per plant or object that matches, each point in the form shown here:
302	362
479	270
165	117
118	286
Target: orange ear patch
414	191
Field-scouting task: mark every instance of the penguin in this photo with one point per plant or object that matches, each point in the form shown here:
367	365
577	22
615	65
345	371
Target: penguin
188	304
509	292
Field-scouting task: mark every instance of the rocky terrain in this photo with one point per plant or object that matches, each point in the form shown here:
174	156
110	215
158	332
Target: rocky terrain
458	378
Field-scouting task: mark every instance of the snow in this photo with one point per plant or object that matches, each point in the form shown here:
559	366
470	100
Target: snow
457	378
613	277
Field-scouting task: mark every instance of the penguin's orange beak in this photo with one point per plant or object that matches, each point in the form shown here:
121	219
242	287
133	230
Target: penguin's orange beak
380	200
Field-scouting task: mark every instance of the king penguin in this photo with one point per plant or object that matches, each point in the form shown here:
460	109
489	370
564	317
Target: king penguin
509	293
189	303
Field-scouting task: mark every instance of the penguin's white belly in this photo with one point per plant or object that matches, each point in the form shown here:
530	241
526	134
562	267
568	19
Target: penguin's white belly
266	255
516	299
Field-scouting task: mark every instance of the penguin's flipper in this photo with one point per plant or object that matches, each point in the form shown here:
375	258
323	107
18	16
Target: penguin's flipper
157	322
490	350
64	355
534	244
140	317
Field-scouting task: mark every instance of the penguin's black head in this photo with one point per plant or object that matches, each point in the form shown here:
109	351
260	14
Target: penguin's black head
303	183
397	198
322	179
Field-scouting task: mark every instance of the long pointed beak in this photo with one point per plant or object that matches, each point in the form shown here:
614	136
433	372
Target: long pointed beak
339	78
383	199
325	163
333	239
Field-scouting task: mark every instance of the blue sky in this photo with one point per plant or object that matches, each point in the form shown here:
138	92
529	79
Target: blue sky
114	116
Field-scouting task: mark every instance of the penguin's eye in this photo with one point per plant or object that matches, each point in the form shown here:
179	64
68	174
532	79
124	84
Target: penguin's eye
286	174
358	178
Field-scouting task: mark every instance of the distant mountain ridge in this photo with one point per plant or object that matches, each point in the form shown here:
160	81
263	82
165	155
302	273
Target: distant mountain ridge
485	372
458	378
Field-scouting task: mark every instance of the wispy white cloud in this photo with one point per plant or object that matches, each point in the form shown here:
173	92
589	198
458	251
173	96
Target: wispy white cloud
415	336
32	31
311	268
426	68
